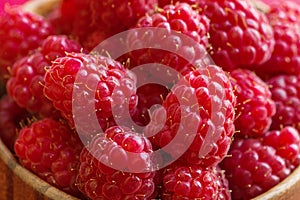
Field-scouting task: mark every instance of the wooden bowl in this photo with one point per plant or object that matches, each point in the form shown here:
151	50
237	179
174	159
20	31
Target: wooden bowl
17	182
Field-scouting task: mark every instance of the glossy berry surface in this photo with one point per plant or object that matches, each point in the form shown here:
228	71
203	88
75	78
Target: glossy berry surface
240	35
191	182
86	19
255	107
113	89
285	93
285	59
26	82
180	40
256	165
193	115
20	33
110	170
51	150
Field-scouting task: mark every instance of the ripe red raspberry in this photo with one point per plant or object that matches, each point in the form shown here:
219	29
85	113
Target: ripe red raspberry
112	85
193	182
25	85
287	145
285	91
20	33
11	116
120	14
75	17
256	165
26	82
240	35
88	18
199	112
254	108
104	166
56	46
285	58
51	150
190	40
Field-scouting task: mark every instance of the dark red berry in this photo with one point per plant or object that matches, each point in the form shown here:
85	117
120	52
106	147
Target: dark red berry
114	166
51	150
20	33
255	107
240	35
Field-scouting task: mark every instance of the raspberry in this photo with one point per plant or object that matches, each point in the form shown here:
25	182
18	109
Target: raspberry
83	25
285	58
51	150
285	91
11	116
240	35
117	14
181	19
207	124
254	108
98	177
89	17
74	69
20	33
26	83
287	145
256	165
192	182
56	46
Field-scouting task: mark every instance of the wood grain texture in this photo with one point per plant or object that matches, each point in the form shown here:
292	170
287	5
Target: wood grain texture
6	185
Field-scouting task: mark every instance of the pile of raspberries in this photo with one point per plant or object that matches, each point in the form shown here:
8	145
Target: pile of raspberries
225	126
